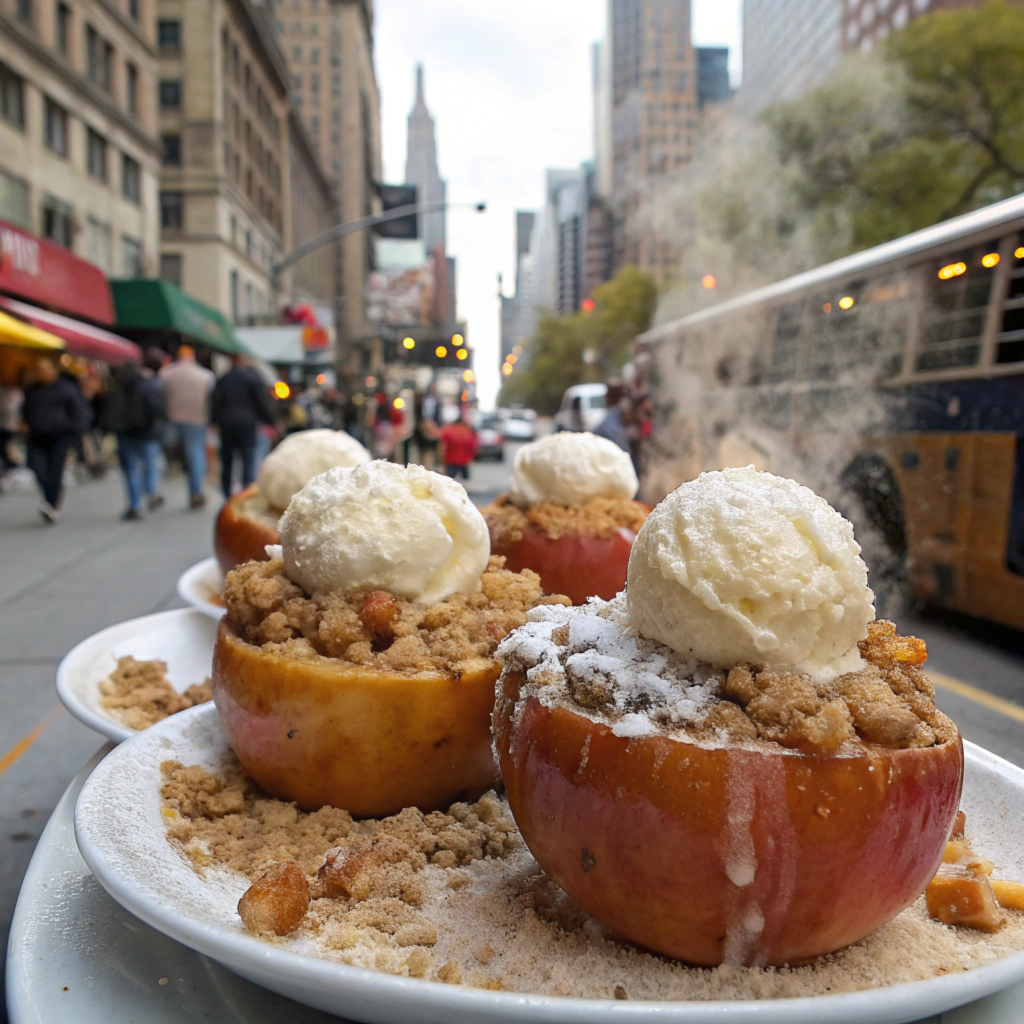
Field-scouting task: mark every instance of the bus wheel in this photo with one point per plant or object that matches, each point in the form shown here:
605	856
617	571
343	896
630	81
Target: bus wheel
870	498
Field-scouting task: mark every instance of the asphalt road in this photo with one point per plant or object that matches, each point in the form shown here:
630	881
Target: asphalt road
60	584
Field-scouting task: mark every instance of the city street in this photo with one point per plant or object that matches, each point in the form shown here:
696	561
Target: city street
60	584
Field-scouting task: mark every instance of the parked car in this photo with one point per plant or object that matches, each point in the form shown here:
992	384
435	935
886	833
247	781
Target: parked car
490	440
519	428
582	407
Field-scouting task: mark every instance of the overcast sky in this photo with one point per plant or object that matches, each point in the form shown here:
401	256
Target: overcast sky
509	85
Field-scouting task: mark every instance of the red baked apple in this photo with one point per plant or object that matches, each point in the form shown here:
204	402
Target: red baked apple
577	565
747	856
245	526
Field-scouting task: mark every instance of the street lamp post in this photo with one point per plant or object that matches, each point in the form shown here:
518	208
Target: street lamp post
351	227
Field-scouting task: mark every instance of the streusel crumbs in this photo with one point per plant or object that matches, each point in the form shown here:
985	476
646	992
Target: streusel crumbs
601	517
139	693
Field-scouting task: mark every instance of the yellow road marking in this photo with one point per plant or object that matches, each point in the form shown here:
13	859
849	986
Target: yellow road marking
14	754
979	696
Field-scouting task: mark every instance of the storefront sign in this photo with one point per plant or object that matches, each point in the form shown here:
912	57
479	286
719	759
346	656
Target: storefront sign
48	275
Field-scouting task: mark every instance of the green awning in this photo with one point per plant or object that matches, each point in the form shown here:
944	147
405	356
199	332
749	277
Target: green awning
162	306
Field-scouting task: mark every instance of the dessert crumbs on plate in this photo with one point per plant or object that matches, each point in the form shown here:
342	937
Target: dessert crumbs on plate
458	898
139	694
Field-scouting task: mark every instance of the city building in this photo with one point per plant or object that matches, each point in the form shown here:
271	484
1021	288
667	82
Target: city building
225	204
421	169
654	118
329	48
518	317
79	158
314	279
712	75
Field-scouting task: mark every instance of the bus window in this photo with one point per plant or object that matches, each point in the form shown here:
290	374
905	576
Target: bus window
957	289
786	343
1011	338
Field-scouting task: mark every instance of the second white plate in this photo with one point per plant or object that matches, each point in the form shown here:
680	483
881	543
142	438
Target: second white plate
202	586
182	638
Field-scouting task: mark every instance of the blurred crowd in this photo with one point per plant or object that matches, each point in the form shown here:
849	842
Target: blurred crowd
62	416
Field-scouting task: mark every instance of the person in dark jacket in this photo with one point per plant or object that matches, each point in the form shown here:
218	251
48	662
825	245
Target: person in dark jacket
134	410
55	414
240	404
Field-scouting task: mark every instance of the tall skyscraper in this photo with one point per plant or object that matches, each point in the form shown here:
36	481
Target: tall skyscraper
654	122
421	168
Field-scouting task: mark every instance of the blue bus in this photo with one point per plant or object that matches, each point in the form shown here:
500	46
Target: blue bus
892	382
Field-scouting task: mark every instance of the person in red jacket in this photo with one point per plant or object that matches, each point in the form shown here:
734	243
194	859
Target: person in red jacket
459	444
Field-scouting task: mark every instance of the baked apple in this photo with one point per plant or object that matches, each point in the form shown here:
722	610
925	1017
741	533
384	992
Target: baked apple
247	522
707	805
569	515
357	669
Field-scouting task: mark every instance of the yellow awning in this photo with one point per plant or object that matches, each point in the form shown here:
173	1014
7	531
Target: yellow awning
19	334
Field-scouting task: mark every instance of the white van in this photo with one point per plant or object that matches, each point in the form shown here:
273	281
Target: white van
583	407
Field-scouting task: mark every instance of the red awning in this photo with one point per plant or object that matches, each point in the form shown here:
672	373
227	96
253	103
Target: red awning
82	339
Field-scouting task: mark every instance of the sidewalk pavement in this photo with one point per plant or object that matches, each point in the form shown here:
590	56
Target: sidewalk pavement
58	585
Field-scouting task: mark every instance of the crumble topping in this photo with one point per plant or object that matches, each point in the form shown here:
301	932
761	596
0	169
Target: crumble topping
375	628
458	898
139	694
601	517
591	661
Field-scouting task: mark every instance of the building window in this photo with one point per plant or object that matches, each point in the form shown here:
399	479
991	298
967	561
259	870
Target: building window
133	9
335	138
314	125
62	28
131	178
296	53
131	89
168	36
314	82
172	150
336	166
336	84
57	221
171	267
236	63
24	9
96	155
131	257
99	56
12	97
97	244
55	127
170	94
336	116
314	55
14	200
172	211
234	295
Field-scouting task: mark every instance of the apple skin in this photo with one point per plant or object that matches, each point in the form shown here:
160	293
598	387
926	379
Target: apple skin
638	832
239	538
576	566
326	731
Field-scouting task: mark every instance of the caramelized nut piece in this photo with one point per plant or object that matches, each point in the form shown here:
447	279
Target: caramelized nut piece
959	825
345	874
276	902
963	898
1009	895
378	613
956	851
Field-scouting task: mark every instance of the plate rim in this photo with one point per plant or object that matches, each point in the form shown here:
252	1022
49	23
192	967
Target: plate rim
185	588
906	1001
107	727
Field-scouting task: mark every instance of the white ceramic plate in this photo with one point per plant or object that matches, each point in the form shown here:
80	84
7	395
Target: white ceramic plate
202	586
182	638
122	837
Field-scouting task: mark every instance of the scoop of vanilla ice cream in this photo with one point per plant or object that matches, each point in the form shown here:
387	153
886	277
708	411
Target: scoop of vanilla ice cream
742	566
571	469
402	529
302	456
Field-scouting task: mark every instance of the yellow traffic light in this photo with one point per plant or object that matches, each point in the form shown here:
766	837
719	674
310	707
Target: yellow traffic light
457	340
461	354
440	351
409	343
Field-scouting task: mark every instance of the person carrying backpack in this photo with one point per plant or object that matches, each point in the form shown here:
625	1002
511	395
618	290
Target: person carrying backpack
134	410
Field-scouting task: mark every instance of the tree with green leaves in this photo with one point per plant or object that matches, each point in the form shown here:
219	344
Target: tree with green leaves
582	347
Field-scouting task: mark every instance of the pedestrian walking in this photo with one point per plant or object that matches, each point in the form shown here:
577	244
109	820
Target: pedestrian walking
240	404
134	410
10	419
188	388
459	443
55	415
